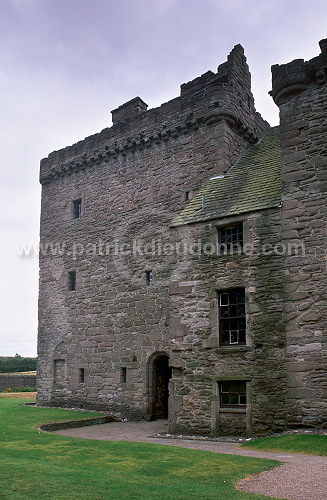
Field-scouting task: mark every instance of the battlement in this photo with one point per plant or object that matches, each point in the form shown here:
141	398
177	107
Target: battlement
131	108
294	77
207	100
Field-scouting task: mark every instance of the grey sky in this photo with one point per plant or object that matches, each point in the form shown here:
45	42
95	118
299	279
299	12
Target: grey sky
65	64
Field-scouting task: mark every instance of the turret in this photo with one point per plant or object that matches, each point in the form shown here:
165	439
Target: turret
294	77
300	91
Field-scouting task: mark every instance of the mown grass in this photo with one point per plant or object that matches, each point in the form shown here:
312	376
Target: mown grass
309	444
40	465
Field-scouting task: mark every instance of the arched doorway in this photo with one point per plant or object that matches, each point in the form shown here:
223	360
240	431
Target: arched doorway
159	374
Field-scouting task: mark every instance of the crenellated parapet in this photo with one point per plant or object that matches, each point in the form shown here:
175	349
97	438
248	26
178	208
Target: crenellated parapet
51	170
294	77
208	100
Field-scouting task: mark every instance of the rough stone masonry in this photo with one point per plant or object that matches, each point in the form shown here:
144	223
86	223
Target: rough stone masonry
183	259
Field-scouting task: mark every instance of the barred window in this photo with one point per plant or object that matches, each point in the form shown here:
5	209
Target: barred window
232	321
233	393
230	239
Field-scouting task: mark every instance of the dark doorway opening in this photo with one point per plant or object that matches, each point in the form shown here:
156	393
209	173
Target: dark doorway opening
160	373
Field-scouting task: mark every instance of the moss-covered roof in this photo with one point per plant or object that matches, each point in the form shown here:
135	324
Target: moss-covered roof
252	183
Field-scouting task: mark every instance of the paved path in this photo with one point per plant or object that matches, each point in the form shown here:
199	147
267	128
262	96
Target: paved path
300	477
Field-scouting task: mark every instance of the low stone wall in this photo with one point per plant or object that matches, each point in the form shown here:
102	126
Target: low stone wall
16	381
71	424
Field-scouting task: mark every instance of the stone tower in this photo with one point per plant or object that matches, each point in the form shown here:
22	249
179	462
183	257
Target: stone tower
183	264
106	332
299	89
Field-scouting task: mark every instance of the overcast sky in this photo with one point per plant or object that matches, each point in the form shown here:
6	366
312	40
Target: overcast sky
65	64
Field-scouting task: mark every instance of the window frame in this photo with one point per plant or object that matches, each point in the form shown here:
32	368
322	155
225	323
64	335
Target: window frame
77	208
72	277
228	247
229	319
232	395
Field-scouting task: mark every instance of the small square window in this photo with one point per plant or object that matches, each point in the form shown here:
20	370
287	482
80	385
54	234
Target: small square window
232	319
72	281
233	393
77	208
230	239
149	277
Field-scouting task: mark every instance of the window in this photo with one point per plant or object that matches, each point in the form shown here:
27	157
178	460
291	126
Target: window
81	375
187	195
230	239
77	208
72	281
232	325
149	277
233	393
123	375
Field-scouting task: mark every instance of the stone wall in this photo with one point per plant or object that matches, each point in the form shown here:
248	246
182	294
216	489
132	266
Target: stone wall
132	180
137	304
194	393
300	90
16	381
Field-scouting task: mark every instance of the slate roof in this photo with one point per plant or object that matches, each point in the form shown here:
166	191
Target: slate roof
252	183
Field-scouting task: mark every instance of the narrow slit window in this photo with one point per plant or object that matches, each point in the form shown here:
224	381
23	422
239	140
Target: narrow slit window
123	375
72	281
81	375
149	277
77	208
187	195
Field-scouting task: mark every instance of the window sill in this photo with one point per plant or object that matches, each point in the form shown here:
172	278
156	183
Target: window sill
234	348
232	410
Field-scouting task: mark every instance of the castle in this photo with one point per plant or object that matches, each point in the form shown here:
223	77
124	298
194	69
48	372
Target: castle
183	263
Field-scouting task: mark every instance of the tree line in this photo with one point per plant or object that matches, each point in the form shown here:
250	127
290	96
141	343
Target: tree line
17	363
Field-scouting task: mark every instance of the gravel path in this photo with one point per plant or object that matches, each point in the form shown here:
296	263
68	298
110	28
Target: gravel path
306	481
300	477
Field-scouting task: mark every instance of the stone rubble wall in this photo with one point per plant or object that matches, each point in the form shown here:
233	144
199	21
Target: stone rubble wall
194	395
16	381
132	179
303	116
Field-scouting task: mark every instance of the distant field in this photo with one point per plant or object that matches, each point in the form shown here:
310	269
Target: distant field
19	373
18	395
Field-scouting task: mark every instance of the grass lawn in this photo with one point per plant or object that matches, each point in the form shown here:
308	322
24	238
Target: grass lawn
309	444
40	465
